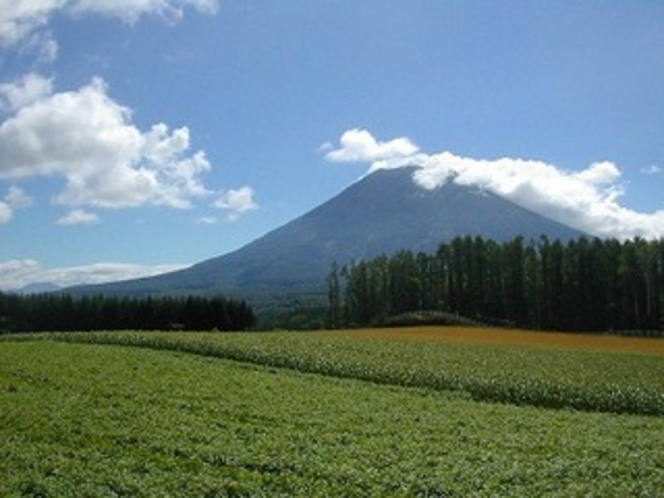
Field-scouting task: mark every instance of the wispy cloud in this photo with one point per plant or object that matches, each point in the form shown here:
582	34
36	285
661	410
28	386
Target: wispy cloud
587	200
14	199
6	212
653	170
19	273
78	217
131	10
26	21
206	220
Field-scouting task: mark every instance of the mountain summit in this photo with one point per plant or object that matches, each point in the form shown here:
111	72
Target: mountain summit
382	213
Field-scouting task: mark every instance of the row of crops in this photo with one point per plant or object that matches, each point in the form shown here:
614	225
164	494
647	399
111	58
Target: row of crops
554	378
96	420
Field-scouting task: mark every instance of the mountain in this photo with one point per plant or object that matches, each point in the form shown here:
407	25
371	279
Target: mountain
37	288
380	214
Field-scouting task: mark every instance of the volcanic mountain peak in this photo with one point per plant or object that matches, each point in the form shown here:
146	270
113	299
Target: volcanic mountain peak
382	213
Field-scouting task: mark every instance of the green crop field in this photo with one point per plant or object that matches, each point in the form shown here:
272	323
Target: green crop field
366	413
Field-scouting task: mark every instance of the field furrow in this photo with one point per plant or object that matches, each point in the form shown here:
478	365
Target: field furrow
99	420
516	367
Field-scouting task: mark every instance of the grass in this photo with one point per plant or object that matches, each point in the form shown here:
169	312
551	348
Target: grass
87	419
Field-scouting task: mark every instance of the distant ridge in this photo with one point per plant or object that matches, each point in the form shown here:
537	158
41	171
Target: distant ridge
37	288
382	213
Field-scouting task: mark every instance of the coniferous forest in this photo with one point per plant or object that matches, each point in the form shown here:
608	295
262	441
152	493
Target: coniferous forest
62	312
580	285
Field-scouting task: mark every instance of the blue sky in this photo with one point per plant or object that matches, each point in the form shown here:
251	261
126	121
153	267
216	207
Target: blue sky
137	137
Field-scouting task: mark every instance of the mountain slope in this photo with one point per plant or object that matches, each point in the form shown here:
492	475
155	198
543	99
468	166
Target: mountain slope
382	213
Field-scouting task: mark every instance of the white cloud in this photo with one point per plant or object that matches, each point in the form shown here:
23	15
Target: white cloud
48	48
30	89
653	170
206	220
14	199
16	274
83	136
25	20
88	139
587	200
18	20
237	201
78	217
359	145
39	46
17	198
6	212
131	10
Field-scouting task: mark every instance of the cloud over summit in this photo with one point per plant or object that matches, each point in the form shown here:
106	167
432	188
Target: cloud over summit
359	145
587	200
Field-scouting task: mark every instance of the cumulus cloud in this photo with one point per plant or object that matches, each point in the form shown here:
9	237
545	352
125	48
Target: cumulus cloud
19	273
30	89
85	137
19	20
587	200
89	139
359	145
26	20
237	201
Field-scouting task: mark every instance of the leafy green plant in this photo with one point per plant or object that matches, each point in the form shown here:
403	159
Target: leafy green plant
92	420
582	380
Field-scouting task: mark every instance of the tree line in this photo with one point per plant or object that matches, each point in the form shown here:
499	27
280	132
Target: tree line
580	285
63	312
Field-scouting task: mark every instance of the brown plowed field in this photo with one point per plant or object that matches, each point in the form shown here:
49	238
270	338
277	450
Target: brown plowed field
513	337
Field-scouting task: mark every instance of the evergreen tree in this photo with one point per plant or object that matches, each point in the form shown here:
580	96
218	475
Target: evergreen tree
584	285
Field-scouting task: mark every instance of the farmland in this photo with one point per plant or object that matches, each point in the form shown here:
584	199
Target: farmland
447	412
